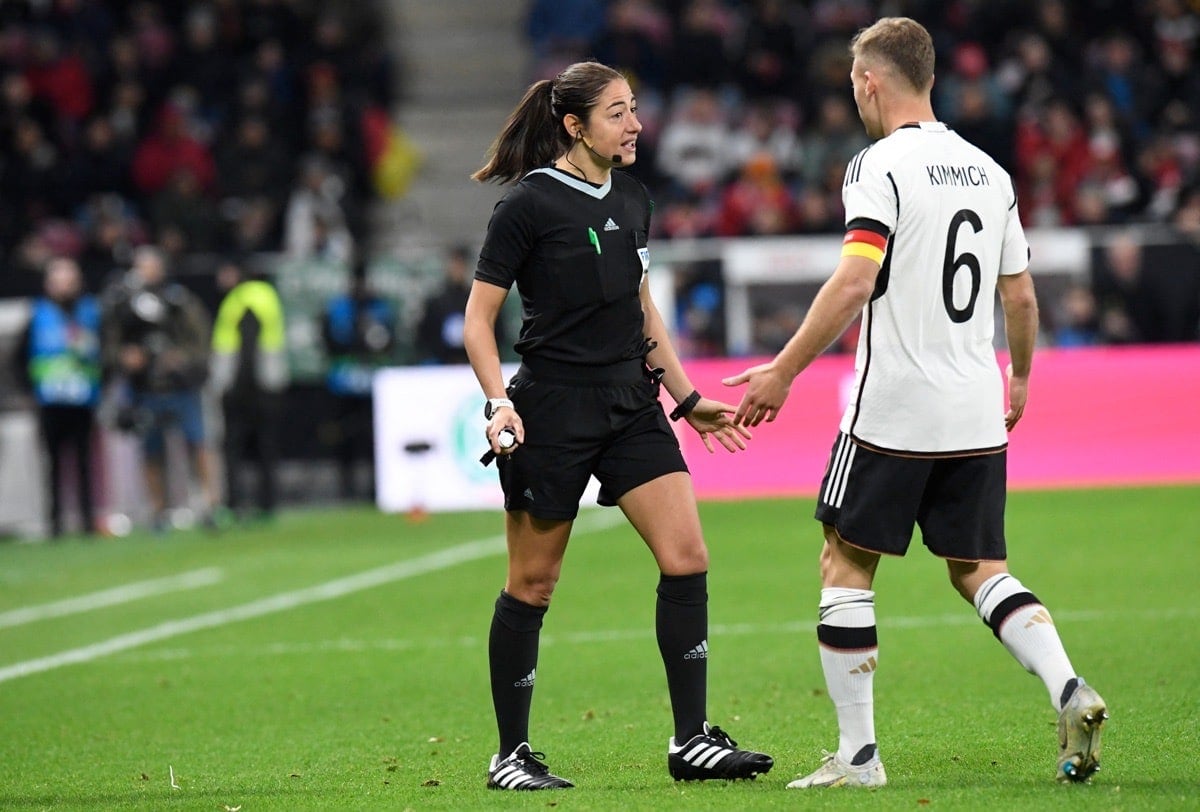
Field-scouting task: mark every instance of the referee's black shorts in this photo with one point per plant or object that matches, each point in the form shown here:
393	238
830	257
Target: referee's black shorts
581	422
874	499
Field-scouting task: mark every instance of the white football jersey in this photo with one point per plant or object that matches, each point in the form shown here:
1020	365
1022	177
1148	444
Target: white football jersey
926	376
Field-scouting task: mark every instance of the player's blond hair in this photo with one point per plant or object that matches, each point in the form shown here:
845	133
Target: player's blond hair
903	44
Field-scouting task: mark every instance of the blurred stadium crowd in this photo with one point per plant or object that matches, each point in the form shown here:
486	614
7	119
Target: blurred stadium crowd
750	123
222	126
149	151
1092	106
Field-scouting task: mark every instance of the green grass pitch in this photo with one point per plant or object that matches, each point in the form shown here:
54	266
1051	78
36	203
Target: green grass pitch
337	660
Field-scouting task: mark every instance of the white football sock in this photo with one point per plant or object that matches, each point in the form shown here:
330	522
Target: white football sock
1026	629
849	655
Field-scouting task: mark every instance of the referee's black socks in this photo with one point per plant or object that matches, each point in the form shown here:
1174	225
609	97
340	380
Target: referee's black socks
681	623
512	657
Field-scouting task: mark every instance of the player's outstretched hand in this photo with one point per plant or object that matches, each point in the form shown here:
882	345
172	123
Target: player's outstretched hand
711	418
767	389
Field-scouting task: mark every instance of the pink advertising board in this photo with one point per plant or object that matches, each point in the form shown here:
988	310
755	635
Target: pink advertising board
1096	417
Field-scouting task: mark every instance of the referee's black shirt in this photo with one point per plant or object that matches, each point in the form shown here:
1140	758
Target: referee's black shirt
573	249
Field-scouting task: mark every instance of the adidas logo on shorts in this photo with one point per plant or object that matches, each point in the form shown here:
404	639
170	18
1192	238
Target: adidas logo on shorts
700	652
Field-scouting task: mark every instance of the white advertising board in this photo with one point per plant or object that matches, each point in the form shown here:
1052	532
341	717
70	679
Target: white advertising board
441	407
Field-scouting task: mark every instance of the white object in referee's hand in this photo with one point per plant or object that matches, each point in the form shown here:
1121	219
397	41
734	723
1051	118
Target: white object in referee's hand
505	438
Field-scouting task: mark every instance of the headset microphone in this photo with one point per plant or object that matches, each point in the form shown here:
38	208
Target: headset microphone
615	159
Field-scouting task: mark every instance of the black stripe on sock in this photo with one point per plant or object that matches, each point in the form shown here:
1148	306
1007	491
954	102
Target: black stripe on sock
1067	690
982	597
1006	607
864	754
847	637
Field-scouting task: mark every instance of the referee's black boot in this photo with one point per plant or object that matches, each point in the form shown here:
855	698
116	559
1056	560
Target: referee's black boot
523	770
712	754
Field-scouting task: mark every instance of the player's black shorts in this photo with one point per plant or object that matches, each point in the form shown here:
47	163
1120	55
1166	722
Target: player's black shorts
605	422
874	499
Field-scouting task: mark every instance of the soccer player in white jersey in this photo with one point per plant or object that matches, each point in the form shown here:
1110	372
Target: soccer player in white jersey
932	233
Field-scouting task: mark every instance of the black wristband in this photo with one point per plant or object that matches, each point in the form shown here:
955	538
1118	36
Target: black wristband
686	405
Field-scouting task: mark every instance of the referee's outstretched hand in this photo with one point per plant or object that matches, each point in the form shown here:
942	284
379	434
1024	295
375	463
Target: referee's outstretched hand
710	418
767	390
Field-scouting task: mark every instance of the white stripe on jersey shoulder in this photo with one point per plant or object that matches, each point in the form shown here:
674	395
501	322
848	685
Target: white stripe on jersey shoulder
854	168
598	192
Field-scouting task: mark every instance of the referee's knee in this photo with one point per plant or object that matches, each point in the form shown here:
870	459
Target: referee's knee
689	561
534	589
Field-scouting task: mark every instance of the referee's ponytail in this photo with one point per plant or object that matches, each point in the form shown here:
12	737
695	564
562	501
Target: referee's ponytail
534	134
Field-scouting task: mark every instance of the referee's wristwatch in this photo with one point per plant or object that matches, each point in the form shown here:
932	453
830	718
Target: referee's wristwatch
493	404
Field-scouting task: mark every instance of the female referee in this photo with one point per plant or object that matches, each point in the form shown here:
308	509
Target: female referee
571	234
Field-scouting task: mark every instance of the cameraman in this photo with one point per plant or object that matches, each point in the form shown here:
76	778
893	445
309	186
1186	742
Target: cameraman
156	338
359	331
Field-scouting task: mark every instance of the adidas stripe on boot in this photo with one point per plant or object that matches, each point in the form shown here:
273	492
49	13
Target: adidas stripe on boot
712	754
523	770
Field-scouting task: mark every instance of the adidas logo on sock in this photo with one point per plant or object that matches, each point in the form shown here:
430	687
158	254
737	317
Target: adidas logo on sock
1041	616
866	667
526	681
700	652
610	225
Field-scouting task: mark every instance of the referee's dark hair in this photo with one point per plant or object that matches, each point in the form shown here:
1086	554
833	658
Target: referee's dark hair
534	134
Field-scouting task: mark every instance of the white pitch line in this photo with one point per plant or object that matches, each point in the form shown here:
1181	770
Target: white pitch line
110	597
716	631
282	602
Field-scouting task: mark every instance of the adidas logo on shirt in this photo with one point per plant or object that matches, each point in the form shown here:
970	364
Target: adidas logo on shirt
610	225
526	681
700	652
